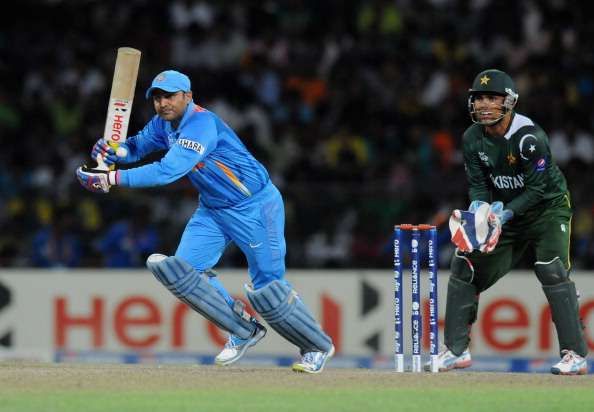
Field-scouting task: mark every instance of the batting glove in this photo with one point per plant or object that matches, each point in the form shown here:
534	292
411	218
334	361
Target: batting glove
109	155
96	180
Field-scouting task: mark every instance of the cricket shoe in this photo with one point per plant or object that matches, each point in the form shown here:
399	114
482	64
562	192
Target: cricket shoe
236	347
313	362
446	361
570	364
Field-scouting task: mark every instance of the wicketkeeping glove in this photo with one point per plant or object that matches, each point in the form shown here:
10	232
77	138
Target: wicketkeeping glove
96	180
496	218
470	228
109	155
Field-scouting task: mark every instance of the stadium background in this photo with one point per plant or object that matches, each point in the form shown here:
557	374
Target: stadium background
361	101
355	107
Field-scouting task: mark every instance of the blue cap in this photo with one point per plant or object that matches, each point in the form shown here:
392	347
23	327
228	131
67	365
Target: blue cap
170	81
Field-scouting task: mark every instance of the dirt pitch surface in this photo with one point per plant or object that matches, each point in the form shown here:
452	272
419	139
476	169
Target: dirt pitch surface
40	377
29	387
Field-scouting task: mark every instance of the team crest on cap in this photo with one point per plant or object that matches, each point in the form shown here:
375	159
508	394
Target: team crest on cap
485	79
160	77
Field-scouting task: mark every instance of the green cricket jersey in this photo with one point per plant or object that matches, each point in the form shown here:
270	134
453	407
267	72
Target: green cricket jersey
517	168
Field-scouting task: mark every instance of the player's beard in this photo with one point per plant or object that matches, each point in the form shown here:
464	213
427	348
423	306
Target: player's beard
168	113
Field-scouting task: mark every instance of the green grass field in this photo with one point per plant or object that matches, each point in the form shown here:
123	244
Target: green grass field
69	387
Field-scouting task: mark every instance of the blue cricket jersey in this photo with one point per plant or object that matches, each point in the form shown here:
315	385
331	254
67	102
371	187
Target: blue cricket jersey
205	149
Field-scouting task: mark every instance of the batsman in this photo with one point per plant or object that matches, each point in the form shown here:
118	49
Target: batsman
238	203
519	200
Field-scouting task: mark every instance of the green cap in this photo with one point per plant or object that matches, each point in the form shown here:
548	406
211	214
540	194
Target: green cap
493	81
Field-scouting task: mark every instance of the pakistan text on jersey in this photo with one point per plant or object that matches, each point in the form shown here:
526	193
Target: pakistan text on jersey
508	182
189	144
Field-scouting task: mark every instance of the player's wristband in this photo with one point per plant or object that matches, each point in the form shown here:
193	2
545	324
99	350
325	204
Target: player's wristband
113	178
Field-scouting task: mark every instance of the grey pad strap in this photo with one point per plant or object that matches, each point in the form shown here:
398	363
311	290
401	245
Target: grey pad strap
461	311
280	306
462	268
551	273
193	288
565	312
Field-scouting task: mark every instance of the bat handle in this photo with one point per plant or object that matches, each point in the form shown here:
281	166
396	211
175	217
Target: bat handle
101	164
115	146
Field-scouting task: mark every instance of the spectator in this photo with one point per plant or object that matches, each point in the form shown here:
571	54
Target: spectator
127	244
57	244
356	100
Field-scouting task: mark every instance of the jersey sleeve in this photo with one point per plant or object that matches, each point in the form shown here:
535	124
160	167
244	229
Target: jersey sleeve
535	159
196	140
148	140
478	185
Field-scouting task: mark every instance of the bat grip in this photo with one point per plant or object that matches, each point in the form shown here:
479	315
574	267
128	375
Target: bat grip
101	164
114	146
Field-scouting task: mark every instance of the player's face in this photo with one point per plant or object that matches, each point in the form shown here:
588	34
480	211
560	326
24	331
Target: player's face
488	107
171	106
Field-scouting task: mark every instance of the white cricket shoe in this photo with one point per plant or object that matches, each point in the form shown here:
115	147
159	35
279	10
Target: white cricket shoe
313	362
570	364
446	361
236	347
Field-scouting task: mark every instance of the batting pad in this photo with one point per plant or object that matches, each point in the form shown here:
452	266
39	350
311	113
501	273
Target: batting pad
280	306
193	288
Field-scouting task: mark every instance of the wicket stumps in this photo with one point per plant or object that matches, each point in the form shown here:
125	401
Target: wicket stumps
416	319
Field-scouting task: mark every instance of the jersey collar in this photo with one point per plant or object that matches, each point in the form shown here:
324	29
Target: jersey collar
518	121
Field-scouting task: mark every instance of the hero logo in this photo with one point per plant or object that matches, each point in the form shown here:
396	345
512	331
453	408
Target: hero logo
117	124
190	144
140	322
505	324
5	299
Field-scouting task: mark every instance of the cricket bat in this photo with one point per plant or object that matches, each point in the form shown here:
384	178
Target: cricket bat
119	108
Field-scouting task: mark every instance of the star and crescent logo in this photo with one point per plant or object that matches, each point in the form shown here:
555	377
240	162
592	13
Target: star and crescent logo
485	79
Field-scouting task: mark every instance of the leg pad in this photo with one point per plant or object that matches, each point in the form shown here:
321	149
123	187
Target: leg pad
461	311
192	288
551	273
565	312
462	268
286	313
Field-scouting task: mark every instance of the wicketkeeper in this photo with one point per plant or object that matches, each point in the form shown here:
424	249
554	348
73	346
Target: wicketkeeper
238	203
519	200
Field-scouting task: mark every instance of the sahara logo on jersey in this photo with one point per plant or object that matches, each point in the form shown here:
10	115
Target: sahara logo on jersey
190	144
508	182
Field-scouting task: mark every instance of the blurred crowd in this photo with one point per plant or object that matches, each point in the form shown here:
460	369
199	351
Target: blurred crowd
355	107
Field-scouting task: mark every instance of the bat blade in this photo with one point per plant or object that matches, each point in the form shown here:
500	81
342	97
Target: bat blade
121	98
